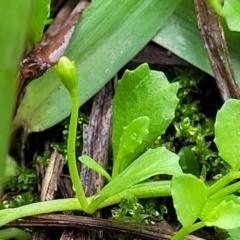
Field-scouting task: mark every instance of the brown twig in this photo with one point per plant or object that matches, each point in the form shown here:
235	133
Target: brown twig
216	47
141	231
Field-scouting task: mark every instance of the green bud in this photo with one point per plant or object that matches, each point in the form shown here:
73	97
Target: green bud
67	73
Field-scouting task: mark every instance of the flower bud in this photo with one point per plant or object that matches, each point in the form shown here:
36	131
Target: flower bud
67	73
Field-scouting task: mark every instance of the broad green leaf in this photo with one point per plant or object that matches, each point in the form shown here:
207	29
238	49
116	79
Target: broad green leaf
181	35
152	189
91	163
143	92
39	15
227	133
189	197
14	18
231	12
188	161
132	137
152	162
226	216
212	203
99	50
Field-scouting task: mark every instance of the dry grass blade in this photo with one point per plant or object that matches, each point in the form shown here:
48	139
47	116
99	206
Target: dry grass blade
215	44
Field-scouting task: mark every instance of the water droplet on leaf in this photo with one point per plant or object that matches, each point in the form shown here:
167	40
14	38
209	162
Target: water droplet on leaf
133	136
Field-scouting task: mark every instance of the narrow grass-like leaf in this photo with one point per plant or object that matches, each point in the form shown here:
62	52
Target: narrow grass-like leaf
91	163
227	133
14	17
99	51
189	197
180	34
39	15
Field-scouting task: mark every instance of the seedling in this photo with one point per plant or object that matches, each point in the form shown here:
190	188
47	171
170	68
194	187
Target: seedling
215	205
132	134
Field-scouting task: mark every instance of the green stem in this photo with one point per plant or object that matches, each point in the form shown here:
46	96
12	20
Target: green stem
71	148
14	233
221	183
227	190
116	166
11	214
140	191
187	230
143	190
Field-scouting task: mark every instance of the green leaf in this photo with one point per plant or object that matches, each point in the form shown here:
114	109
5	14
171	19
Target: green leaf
91	163
152	189
99	52
14	233
153	162
227	133
234	234
148	94
226	216
212	203
14	18
181	35
188	161
40	13
231	12
189	197
132	137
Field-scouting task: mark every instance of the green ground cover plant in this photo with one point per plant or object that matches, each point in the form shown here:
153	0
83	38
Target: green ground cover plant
217	205
138	129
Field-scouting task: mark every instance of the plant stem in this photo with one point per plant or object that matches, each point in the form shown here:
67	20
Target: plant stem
187	230
227	190
221	183
143	190
71	148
